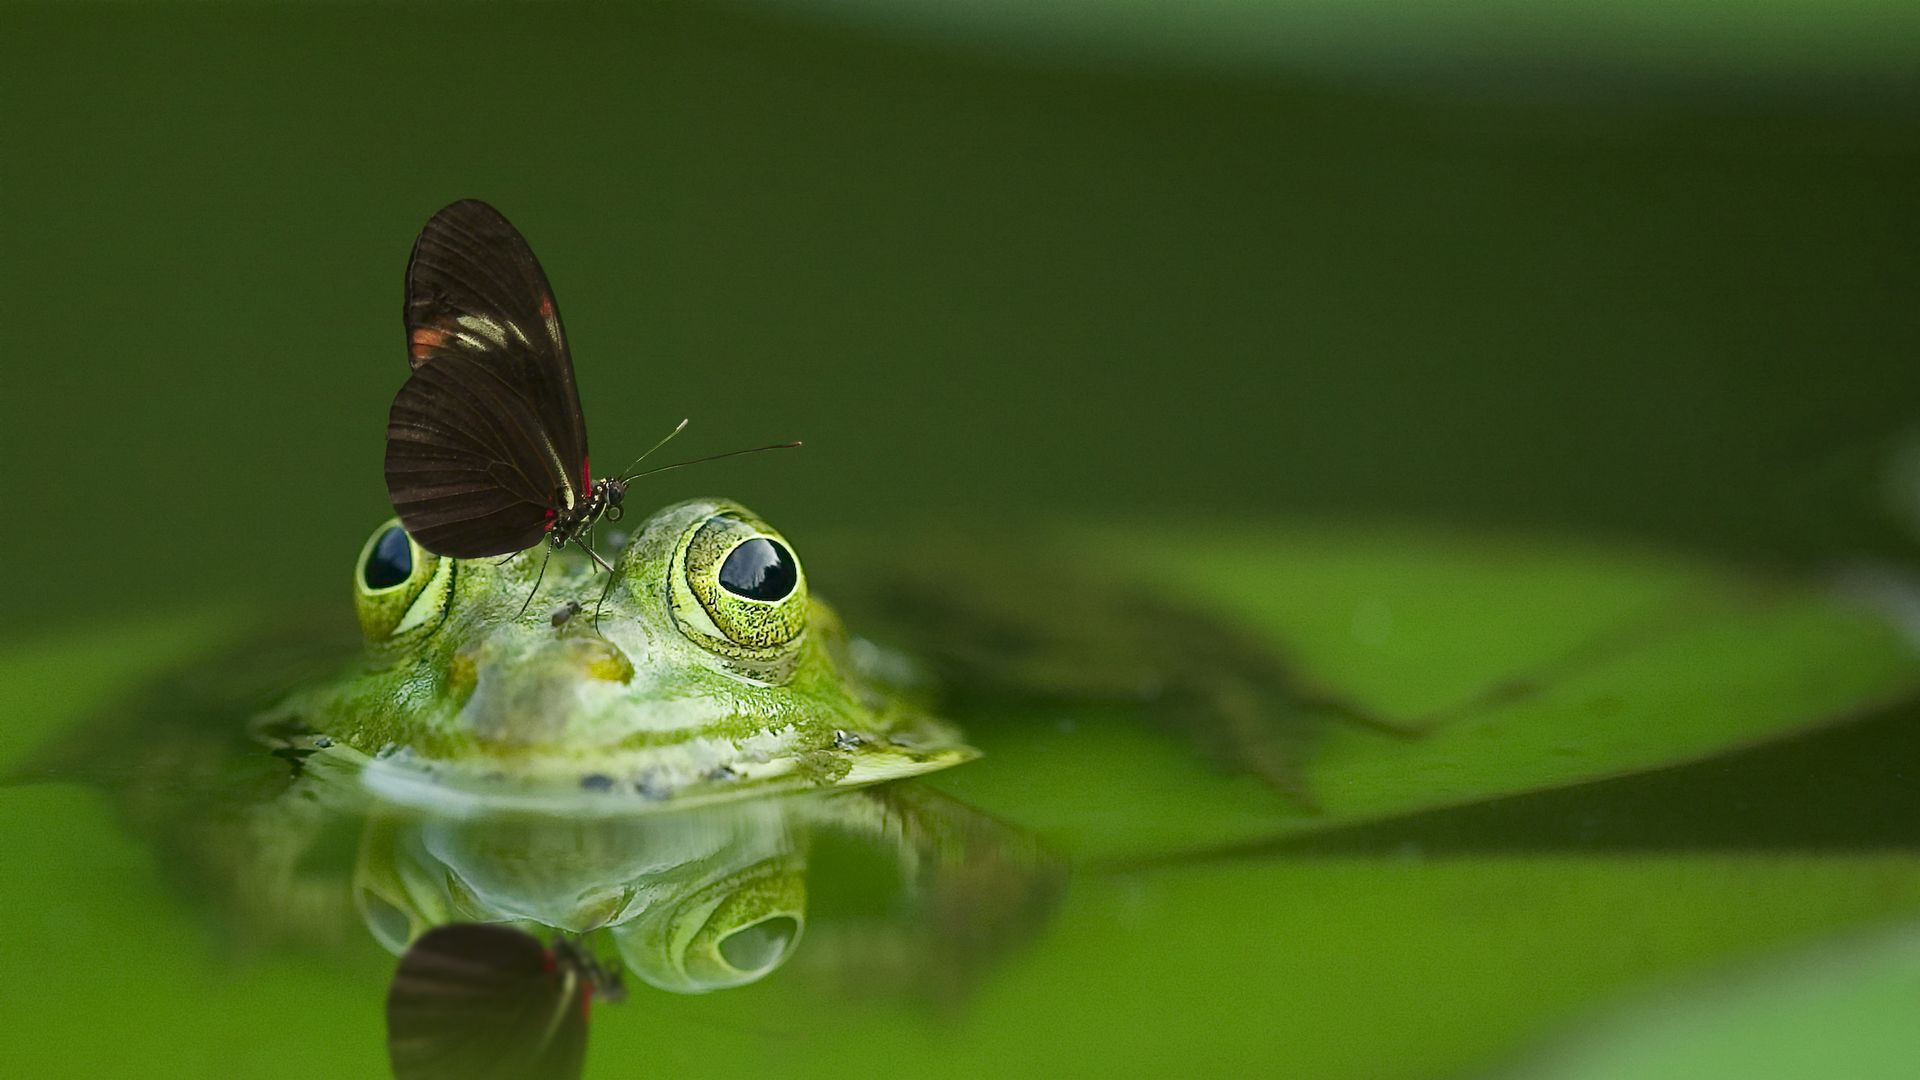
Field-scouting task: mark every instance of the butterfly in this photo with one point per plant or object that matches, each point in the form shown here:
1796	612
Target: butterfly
479	1001
486	441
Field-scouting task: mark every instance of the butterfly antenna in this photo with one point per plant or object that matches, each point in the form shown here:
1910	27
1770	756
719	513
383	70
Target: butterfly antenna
667	438
712	457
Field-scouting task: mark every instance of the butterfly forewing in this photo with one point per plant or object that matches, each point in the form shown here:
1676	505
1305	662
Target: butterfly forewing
486	441
479	1002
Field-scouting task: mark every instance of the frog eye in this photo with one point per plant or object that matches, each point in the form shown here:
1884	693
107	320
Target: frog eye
749	594
760	569
399	588
390	563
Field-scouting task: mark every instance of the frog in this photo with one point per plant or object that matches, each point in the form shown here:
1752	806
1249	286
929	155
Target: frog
705	670
642	762
643	756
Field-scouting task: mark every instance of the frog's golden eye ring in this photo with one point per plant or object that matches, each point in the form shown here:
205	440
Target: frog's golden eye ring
400	589
748	591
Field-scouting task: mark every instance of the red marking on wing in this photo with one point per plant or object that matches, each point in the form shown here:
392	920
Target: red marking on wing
425	340
548	527
586	475
586	1000
546	307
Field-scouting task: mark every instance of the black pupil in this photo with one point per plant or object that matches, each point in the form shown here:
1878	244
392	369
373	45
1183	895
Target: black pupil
759	569
391	562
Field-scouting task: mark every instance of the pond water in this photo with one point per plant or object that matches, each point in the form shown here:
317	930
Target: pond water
1508	416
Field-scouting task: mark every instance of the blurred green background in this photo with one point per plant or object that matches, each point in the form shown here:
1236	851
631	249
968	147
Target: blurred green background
1621	269
1624	271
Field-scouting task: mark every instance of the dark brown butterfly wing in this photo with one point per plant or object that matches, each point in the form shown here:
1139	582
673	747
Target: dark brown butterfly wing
478	1002
486	440
469	469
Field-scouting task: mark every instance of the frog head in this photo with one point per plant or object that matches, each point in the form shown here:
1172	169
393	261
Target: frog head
699	666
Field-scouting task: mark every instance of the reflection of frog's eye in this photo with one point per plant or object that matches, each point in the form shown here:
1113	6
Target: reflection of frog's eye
400	589
750	596
730	932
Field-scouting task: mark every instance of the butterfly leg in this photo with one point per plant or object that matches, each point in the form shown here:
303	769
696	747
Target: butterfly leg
538	578
606	590
602	563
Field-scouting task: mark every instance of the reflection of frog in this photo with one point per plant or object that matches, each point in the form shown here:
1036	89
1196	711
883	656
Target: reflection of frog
696	900
708	672
716	896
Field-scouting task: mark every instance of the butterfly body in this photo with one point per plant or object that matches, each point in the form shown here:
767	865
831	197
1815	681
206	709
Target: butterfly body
602	501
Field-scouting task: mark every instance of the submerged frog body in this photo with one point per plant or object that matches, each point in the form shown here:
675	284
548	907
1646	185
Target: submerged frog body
707	671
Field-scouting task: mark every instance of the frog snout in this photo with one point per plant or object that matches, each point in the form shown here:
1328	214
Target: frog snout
527	695
563	659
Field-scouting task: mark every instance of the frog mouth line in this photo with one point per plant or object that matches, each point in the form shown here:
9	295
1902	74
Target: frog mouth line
645	786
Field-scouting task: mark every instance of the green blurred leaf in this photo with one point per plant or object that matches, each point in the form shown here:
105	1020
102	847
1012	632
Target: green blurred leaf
1845	1008
1521	665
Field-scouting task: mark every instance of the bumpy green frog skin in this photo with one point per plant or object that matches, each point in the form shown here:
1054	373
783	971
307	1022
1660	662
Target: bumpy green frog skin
709	672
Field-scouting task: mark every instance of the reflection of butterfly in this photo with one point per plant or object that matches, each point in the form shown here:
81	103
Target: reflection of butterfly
486	443
483	1002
